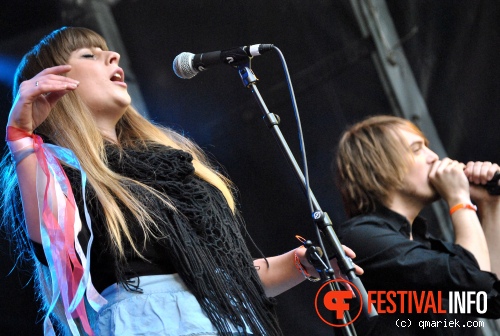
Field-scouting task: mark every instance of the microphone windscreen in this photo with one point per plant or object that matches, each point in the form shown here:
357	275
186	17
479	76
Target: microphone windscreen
183	65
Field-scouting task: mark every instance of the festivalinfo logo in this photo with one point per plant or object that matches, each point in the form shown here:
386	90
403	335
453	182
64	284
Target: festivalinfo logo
332	304
459	302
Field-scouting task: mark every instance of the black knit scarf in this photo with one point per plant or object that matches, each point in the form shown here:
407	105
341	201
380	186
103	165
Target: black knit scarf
202	238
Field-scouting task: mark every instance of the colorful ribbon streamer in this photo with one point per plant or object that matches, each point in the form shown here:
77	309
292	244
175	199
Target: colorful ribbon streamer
60	224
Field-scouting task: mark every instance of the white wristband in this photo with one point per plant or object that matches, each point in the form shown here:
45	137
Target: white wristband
19	144
20	149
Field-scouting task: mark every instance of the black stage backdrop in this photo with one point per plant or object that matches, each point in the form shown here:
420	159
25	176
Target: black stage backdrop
452	47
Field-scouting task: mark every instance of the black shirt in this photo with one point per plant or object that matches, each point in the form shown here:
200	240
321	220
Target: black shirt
196	235
392	262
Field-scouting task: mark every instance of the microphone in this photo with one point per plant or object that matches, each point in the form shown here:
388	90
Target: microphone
187	65
493	186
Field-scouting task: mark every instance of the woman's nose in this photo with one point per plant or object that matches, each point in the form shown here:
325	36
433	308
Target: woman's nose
113	57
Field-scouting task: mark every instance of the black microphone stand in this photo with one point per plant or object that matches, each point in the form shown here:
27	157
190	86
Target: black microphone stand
321	218
314	256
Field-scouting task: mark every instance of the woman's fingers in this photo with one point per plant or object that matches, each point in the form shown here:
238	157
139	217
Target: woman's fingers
38	95
51	80
351	254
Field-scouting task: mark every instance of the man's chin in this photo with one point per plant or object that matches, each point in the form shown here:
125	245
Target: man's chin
435	197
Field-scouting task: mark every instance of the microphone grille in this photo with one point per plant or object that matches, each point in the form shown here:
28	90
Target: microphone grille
183	65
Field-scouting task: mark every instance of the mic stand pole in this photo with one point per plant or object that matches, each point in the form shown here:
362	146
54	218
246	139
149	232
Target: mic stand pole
314	256
321	218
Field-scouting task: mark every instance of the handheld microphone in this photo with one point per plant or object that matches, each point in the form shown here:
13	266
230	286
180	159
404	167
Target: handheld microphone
187	65
492	185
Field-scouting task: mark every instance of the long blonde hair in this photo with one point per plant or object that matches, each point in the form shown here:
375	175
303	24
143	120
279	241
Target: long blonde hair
372	159
70	124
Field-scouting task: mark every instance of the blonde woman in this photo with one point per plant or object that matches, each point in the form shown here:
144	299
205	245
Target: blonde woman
130	227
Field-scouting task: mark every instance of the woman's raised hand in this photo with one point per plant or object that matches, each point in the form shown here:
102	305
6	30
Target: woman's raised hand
37	96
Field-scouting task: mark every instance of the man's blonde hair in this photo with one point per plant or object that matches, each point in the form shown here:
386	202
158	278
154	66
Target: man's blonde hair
372	159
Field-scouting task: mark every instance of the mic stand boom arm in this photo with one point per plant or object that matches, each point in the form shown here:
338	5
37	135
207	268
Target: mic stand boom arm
321	218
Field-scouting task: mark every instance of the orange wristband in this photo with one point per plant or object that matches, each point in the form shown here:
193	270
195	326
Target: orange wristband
462	206
301	268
